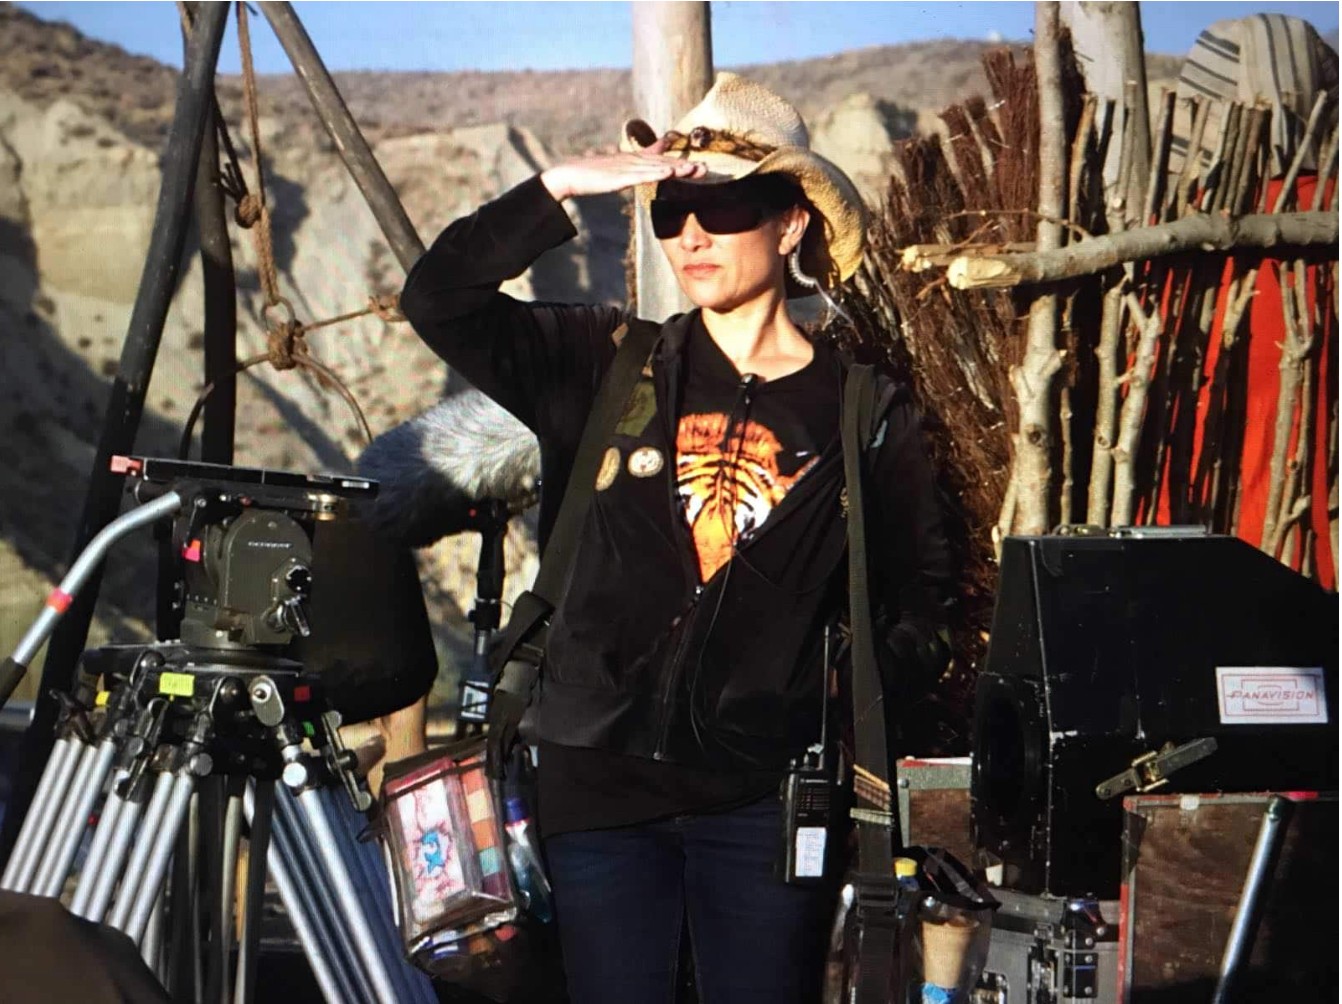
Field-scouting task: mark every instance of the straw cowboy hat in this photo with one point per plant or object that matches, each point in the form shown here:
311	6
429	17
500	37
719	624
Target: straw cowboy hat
742	129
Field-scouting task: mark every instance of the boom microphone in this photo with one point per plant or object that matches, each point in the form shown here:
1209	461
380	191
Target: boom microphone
436	468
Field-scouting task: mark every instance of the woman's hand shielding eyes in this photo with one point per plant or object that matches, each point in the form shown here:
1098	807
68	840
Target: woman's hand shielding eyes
602	173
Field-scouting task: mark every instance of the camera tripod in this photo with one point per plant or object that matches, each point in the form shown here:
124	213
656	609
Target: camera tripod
184	736
177	743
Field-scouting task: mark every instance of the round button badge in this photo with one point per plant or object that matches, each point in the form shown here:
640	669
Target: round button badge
645	461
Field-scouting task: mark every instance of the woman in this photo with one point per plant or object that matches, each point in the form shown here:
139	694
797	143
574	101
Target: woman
683	667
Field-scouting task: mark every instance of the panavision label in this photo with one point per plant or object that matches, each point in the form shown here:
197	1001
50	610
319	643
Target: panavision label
1271	695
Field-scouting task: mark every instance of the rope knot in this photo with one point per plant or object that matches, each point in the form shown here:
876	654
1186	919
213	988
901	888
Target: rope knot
285	347
387	307
248	211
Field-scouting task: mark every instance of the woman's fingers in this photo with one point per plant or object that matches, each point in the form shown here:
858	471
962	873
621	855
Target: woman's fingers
689	169
612	172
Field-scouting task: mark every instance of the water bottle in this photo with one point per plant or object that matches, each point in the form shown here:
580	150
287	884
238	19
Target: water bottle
524	856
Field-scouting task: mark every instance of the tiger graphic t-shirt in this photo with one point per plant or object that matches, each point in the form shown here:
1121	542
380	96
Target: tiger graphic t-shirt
742	443
730	473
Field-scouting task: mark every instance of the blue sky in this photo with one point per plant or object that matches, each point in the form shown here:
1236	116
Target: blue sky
560	35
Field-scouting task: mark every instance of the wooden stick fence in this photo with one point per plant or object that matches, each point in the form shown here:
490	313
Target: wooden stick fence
997	230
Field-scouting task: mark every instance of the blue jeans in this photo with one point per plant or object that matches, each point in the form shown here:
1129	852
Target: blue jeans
621	895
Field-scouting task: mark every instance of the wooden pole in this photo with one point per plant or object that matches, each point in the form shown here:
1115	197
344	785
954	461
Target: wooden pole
221	319
345	134
1107	38
1200	232
1106	412
1033	378
673	70
1138	379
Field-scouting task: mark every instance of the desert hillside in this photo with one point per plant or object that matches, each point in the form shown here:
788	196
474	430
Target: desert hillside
82	124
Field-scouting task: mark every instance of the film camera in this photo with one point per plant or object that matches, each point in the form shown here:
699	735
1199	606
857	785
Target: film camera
287	613
286	564
244	542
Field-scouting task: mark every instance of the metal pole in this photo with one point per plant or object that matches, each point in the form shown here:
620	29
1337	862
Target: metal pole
344	131
156	863
304	914
351	908
74	820
1252	898
125	404
298	847
60	769
97	857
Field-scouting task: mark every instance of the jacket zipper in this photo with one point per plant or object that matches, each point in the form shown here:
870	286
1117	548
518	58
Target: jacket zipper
687	621
687	618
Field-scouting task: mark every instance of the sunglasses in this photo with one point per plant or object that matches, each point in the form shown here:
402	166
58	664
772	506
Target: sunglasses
715	216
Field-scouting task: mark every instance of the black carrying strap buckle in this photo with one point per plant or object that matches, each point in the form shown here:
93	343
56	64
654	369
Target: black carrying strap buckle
876	898
881	907
526	630
517	667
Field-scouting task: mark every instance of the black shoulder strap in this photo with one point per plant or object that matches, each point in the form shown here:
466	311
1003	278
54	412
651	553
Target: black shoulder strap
877	897
874	820
636	339
635	344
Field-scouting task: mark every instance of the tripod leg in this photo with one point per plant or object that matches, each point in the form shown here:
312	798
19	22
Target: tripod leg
374	889
197	975
320	904
302	913
42	814
258	854
149	855
218	879
94	766
96	859
151	825
182	938
184	782
97	885
151	949
309	804
228	872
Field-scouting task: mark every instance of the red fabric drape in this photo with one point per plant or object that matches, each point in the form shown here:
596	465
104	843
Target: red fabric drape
1265	332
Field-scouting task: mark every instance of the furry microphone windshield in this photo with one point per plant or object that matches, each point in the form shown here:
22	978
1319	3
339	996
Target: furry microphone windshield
434	468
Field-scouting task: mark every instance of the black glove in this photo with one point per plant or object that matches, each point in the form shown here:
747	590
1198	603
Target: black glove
507	705
911	663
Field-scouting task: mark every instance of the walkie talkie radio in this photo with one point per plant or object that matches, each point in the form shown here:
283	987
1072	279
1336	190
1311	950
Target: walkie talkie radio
810	795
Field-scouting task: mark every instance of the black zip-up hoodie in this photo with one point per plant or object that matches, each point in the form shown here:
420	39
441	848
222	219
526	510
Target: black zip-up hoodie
634	615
